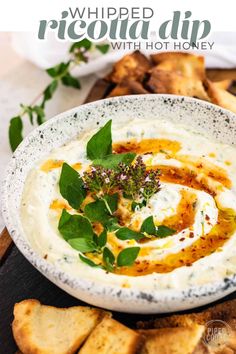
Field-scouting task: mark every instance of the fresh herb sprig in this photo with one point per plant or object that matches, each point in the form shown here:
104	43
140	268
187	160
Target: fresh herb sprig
110	175
59	74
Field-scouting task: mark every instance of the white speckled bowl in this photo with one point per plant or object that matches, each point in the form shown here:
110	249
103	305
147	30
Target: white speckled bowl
205	118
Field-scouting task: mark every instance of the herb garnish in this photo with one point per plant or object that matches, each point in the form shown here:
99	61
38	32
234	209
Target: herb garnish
111	176
150	228
125	233
71	186
59	74
100	145
137	182
74	226
127	256
102	209
112	161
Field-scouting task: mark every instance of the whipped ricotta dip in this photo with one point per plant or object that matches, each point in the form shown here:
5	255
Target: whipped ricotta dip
197	198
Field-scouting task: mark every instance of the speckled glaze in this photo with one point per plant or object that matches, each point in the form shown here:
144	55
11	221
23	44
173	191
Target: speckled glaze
205	118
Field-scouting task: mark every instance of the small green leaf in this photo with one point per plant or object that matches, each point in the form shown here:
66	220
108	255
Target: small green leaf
108	259
84	43
75	226
103	48
112	161
111	201
58	70
71	186
29	111
71	81
124	233
112	224
49	91
89	262
148	226
100	144
102	238
15	132
102	209
39	111
135	205
127	256
164	231
97	211
82	244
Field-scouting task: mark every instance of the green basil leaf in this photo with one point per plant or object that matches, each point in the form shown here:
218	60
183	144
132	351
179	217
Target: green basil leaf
127	256
108	259
49	91
58	70
97	211
71	186
124	233
75	226
135	205
71	81
112	161
82	244
102	238
100	144
112	224
89	262
101	209
148	226
103	48
112	201
84	43
164	231
15	132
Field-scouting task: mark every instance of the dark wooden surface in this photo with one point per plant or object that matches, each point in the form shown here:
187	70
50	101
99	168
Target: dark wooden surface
19	280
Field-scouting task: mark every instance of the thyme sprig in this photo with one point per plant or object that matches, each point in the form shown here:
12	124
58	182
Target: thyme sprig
134	180
60	74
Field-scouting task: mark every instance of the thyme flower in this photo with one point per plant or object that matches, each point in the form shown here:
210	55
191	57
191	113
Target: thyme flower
100	180
134	180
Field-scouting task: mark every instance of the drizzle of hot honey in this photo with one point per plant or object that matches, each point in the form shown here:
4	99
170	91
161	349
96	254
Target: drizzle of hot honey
50	165
147	145
203	247
59	205
77	166
185	212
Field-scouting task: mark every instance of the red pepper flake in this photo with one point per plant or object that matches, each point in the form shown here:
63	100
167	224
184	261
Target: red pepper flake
45	256
191	234
203	238
207	217
182	239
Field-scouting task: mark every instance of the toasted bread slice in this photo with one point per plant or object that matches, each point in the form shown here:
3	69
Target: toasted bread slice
219	96
49	330
225	311
174	82
131	66
128	87
111	337
181	340
186	64
224	84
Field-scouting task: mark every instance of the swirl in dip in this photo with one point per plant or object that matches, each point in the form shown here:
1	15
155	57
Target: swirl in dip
196	199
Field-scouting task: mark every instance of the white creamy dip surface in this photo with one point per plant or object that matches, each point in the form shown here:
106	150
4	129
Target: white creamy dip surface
40	222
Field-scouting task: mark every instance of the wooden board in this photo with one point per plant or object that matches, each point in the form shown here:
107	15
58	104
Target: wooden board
20	280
